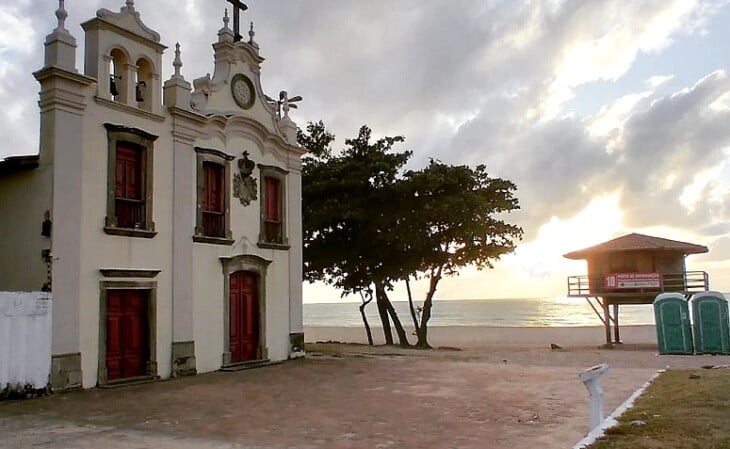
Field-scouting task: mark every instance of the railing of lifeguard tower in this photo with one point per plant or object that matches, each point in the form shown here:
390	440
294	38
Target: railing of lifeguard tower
688	281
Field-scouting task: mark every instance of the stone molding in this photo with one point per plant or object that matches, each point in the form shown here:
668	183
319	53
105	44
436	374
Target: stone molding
121	107
271	171
102	23
224	128
251	263
121	133
151	287
220	158
62	89
129	273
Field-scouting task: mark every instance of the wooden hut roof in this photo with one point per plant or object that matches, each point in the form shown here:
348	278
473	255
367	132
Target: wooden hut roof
637	242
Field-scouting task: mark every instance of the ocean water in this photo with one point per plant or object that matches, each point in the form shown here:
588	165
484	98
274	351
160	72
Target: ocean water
531	312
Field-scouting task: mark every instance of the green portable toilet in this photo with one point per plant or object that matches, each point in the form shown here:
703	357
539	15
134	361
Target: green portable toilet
710	317
671	314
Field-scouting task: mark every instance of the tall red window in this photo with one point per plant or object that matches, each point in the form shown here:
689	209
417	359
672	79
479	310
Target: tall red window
272	210
129	196
213	200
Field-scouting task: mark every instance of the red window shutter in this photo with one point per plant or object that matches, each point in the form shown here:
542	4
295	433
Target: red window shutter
129	172
272	207
213	200
216	188
129	187
212	195
204	202
119	181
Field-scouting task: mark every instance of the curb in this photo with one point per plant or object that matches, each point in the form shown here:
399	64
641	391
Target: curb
611	420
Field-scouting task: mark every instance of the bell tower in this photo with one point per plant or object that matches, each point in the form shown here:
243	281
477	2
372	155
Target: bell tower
125	56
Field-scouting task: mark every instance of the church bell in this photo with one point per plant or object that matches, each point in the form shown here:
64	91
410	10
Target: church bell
113	85
138	91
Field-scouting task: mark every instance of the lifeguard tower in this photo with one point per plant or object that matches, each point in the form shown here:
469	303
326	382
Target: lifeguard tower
633	269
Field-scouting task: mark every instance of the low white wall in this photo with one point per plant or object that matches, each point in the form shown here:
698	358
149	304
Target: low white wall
25	339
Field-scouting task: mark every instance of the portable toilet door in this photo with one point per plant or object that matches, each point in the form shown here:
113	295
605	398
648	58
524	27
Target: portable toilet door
710	316
671	314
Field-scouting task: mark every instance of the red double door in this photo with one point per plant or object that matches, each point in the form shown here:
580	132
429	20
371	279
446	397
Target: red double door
244	316
127	342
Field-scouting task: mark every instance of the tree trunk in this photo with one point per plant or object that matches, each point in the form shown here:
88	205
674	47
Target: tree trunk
422	331
410	305
382	303
402	337
365	318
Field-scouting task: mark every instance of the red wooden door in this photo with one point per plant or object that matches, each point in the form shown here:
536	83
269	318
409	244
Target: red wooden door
127	334
244	316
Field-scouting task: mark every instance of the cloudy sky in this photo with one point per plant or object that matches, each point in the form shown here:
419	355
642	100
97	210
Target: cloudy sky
610	116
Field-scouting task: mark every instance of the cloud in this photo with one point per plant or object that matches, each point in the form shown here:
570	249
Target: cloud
719	251
469	82
657	80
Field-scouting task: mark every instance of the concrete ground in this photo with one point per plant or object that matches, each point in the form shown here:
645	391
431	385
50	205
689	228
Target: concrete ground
348	396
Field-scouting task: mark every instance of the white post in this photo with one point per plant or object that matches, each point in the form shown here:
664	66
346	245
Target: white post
590	379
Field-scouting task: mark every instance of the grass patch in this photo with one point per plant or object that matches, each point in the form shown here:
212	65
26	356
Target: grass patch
681	409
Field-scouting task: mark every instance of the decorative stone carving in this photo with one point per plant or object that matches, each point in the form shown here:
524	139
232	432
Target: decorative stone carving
244	185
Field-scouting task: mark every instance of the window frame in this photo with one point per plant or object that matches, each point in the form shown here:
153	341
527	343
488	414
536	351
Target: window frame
224	160
117	134
270	171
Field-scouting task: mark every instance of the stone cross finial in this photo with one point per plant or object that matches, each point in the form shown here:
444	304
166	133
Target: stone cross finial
238	6
177	63
61	15
251	34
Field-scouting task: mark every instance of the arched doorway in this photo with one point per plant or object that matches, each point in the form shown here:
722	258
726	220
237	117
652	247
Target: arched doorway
244	316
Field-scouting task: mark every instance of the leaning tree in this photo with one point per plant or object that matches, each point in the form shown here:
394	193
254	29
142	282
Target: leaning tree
342	217
369	224
452	217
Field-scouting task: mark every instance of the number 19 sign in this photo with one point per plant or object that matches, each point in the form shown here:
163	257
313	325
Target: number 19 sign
633	280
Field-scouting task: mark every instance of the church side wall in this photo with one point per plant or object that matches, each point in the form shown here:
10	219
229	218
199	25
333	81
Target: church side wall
24	199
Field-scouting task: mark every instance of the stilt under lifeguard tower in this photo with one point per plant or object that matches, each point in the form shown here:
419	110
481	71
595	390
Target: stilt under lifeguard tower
633	269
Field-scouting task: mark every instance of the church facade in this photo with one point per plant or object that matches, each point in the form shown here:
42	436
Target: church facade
164	217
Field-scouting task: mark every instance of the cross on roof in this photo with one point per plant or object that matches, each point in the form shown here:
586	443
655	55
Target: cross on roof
238	6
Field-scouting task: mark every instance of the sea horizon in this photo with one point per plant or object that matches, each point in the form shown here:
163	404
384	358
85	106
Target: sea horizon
558	311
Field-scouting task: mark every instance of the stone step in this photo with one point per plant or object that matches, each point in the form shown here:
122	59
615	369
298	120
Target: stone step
249	364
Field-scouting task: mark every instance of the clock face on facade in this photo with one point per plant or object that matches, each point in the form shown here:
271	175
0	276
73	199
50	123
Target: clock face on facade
242	91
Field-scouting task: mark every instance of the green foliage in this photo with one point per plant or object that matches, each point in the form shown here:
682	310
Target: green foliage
367	220
450	218
341	196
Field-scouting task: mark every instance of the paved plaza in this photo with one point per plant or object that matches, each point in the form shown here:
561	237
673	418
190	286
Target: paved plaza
346	396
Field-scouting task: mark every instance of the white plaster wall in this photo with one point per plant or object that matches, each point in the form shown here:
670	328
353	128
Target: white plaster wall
24	198
25	339
277	307
101	250
62	134
208	306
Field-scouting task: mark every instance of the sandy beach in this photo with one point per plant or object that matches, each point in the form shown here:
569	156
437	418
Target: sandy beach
492	336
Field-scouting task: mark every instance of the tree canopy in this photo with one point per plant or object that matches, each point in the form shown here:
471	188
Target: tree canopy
369	223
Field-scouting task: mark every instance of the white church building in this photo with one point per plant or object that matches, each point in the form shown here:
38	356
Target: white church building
164	218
